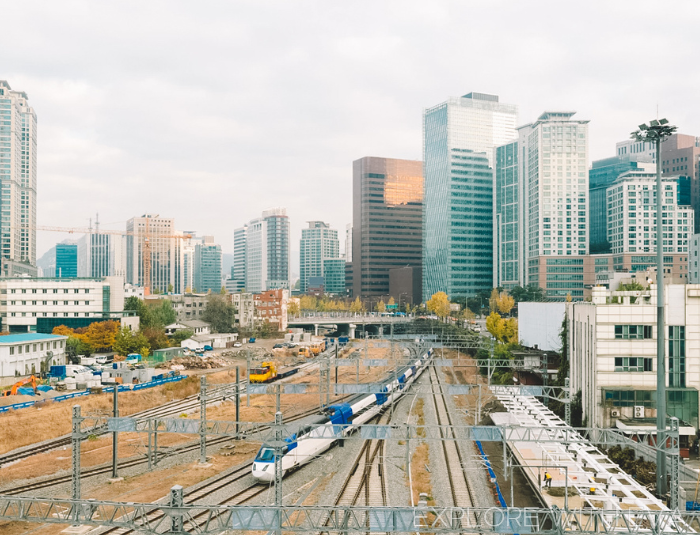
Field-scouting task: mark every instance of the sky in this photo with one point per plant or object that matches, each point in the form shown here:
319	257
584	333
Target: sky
212	111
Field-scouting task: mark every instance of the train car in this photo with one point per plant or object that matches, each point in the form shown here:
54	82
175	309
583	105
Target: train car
316	436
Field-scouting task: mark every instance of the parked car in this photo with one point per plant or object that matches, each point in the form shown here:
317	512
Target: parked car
208	348
251	340
237	344
279	346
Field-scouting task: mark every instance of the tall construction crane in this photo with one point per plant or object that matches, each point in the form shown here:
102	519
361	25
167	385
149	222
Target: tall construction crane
145	250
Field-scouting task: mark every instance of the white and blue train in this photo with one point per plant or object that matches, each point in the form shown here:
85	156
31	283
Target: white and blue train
318	435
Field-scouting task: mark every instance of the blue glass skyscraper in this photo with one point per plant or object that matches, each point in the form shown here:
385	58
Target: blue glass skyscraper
459	137
66	260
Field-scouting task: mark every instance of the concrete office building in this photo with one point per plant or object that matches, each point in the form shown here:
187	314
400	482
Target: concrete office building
266	252
207	266
334	276
541	197
165	253
387	204
39	305
66	260
631	214
612	342
319	244
458	152
18	176
102	255
187	306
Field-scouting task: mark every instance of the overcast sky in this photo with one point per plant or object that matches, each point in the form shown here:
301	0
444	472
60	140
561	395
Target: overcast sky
210	112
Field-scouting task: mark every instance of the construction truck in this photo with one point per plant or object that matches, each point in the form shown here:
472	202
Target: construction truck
13	390
268	372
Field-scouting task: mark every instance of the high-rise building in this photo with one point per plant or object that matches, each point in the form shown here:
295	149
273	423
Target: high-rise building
541	198
602	174
154	235
348	242
459	137
680	155
18	176
387	229
266	252
239	259
207	266
319	243
66	260
632	215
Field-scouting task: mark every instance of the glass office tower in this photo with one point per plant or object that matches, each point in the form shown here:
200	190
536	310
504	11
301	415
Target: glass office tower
459	137
387	222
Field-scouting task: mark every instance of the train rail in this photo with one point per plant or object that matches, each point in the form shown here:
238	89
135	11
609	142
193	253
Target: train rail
460	489
129	463
215	394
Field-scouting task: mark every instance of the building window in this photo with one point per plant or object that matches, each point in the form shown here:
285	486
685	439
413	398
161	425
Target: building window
19	349
676	356
633	364
12	350
633	332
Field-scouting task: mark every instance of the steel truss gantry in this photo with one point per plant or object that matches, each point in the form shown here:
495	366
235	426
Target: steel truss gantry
178	518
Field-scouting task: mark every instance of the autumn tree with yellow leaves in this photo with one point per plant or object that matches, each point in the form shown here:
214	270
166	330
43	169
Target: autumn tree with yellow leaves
439	304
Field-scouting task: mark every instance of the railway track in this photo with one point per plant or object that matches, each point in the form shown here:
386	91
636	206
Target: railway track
459	485
129	463
215	394
209	488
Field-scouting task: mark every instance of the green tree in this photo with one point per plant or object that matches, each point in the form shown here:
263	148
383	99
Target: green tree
161	314
179	336
156	338
128	341
219	313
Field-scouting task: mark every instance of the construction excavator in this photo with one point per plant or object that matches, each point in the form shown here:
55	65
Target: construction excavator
13	391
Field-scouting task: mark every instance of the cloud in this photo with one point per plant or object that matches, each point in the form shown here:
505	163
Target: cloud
210	112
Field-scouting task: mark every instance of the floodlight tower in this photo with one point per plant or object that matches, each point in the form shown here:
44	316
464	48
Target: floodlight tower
655	132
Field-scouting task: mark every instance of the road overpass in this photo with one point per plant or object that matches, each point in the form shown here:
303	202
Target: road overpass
352	321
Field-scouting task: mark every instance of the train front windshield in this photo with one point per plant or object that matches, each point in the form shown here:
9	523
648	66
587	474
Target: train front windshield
265	455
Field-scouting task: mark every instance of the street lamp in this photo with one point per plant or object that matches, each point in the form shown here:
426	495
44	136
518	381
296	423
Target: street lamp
656	132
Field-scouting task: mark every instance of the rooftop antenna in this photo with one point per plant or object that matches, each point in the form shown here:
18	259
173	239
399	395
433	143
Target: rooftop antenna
97	223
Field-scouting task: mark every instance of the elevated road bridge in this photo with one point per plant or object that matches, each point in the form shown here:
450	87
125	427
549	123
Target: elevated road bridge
349	322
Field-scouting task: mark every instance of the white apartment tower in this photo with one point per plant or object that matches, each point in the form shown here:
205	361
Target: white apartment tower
165	253
18	176
631	202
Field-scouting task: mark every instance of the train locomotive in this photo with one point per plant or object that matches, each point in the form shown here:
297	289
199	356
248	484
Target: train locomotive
318	435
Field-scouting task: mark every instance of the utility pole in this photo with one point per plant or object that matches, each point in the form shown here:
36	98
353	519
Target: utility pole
76	438
203	419
279	443
656	132
238	400
247	374
115	435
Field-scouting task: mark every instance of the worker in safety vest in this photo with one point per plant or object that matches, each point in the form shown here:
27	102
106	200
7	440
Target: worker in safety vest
547	480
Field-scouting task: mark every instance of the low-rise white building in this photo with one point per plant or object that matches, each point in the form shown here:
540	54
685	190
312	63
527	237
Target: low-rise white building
612	344
244	306
30	353
196	326
40	304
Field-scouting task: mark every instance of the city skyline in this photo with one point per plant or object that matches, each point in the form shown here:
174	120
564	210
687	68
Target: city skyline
113	123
